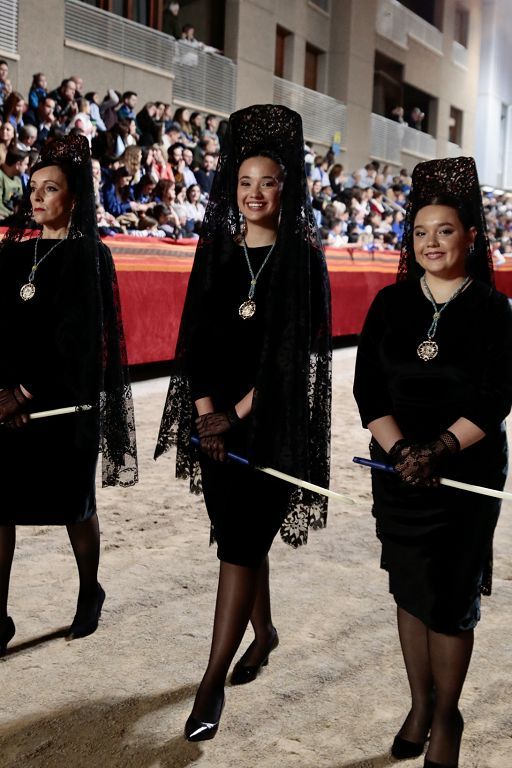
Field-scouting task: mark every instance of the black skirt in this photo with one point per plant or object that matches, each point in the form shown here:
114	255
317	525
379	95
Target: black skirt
246	507
437	543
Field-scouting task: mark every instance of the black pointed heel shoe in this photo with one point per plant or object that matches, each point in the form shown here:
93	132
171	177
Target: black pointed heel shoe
7	632
431	764
405	750
200	730
242	674
80	628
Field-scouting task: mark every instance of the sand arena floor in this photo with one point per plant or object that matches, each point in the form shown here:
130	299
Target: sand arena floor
335	691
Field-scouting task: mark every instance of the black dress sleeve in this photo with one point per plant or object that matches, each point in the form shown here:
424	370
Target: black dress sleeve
370	382
492	399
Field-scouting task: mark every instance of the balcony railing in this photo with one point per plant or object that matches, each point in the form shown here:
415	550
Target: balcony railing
390	139
387	137
459	54
322	116
453	150
397	23
419	143
9	26
205	80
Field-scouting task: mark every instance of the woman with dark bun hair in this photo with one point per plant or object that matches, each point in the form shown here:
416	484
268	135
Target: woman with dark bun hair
253	378
434	385
64	348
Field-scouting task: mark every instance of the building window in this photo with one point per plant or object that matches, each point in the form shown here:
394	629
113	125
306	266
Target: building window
461	31
455	126
282	38
416	104
148	12
312	67
388	96
430	10
323	4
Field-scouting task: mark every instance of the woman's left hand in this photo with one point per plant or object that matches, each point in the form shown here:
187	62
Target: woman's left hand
418	465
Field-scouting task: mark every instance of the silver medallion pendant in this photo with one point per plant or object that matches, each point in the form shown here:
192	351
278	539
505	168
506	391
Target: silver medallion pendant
247	309
27	291
427	350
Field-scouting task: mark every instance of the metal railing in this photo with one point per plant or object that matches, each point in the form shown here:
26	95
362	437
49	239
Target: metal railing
460	54
387	137
322	116
419	143
206	80
9	26
396	23
453	150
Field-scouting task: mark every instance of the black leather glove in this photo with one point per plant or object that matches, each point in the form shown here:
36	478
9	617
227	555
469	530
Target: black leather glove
217	423
12	403
417	464
213	446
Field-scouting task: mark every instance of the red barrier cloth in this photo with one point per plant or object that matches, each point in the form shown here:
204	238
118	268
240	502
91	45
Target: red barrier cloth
153	276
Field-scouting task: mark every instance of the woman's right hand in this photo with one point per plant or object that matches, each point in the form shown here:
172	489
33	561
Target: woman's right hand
213	447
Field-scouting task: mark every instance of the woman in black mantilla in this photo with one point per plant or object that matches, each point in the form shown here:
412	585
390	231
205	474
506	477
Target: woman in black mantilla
62	345
254	378
434	384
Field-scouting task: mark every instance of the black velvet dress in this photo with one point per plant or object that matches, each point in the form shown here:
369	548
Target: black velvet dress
50	345
437	543
246	507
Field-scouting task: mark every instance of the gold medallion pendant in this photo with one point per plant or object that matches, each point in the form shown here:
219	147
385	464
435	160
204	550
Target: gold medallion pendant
427	350
27	291
247	309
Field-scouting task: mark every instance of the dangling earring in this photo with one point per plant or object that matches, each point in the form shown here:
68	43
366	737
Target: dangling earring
471	251
242	223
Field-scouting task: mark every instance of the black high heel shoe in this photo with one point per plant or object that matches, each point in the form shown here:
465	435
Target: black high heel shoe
7	632
431	764
403	749
84	628
242	674
200	730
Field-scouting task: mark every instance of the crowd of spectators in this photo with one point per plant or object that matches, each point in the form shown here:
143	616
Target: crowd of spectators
154	166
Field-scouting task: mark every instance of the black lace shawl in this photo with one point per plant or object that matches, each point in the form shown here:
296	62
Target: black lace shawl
114	396
290	420
453	182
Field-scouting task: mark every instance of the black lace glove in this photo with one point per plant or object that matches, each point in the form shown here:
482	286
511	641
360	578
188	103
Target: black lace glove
217	423
417	464
213	446
12	403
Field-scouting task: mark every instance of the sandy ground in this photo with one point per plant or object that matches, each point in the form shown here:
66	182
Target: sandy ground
334	692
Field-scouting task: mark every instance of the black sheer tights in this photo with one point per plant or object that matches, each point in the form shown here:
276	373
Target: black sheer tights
7	544
85	541
242	595
436	666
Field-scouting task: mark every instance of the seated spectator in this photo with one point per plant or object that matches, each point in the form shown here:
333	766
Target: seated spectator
147	164
108	108
27	137
79	84
196	125
175	157
336	238
165	193
43	119
206	174
167	116
194	210
159	111
107	224
319	171
118	195
368	174
143	191
97	181
14	109
180	203
94	110
64	98
354	180
209	132
398	225
172	135
337	179
182	118
8	135
149	129
82	122
131	159
188	170
147	227
127	106
172	24
116	141
38	90
161	167
4	79
168	221
11	189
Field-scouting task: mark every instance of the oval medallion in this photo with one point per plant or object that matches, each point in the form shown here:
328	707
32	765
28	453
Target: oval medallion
27	291
247	309
427	350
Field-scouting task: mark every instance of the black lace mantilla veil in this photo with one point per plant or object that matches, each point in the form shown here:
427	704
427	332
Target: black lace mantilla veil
450	181
114	395
290	420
